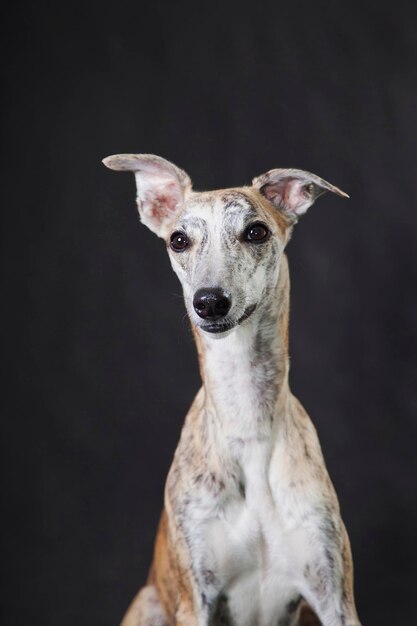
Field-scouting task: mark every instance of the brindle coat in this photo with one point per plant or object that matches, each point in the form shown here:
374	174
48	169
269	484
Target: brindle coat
251	532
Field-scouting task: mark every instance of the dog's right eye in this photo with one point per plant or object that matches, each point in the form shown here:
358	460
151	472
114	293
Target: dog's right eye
256	233
179	241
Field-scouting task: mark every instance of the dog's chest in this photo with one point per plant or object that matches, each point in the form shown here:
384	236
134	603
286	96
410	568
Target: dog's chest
255	550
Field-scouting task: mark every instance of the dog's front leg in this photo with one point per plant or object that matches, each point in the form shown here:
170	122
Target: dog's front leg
195	584
196	604
188	614
329	581
199	594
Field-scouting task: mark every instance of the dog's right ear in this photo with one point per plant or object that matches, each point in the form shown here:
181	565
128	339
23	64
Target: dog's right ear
292	191
161	188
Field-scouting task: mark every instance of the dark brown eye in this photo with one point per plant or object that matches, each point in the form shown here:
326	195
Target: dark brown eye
256	233
179	241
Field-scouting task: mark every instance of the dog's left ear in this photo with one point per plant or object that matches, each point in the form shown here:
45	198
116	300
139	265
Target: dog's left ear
161	188
292	191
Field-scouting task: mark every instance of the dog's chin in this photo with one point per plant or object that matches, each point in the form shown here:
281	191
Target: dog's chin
222	328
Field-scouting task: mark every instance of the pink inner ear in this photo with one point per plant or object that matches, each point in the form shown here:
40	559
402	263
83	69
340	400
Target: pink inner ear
161	201
161	190
169	196
288	194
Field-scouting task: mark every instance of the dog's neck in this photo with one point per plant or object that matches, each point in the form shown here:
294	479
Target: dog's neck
245	374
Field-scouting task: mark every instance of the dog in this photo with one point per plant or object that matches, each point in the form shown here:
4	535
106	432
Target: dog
251	532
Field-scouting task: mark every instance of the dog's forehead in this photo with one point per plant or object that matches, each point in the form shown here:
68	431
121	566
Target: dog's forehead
221	205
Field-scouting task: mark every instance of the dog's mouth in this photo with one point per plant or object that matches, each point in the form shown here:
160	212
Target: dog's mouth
224	326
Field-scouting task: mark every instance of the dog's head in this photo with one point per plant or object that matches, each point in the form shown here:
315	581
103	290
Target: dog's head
225	246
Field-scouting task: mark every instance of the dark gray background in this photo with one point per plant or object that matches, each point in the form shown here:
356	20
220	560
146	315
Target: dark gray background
99	360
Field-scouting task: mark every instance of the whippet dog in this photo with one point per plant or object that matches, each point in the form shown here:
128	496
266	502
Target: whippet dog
251	533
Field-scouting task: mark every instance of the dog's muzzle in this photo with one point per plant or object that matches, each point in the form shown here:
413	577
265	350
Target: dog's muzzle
222	326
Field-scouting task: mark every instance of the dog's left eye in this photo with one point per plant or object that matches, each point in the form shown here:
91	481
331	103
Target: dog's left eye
256	233
179	241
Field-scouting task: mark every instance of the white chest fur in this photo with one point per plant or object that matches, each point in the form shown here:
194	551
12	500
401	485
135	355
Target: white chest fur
257	553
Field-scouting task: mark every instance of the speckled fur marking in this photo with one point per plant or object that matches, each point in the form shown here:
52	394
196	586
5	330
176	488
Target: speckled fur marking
251	533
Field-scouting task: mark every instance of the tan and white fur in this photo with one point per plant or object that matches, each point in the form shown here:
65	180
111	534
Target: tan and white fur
251	533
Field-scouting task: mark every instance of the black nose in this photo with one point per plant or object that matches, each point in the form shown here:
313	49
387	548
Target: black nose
211	303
